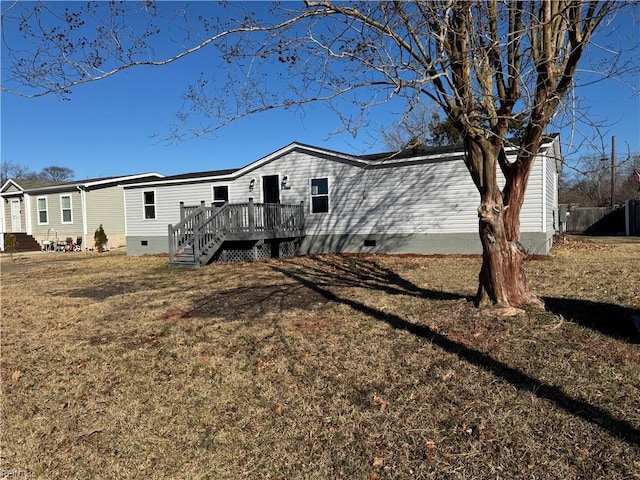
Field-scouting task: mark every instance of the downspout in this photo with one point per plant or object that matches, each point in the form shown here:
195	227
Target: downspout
124	211
3	225
27	213
83	204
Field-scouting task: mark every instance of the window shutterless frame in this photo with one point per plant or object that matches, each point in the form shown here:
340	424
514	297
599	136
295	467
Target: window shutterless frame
66	209
319	193
43	211
149	205
220	195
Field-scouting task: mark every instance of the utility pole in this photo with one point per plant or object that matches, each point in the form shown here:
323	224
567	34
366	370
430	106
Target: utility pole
613	172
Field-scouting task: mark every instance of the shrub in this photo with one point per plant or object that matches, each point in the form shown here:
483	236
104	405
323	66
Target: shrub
100	239
10	244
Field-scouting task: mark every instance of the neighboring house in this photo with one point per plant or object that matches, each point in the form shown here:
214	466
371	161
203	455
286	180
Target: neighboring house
55	211
421	201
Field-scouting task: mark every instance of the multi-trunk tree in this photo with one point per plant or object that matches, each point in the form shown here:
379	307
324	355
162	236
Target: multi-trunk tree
484	64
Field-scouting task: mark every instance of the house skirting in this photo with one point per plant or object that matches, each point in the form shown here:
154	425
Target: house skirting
147	245
538	243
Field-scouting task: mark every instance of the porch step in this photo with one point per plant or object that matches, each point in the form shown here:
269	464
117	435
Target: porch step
184	261
212	226
186	258
26	243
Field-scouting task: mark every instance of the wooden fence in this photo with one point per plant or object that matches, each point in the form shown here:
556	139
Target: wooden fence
604	221
632	219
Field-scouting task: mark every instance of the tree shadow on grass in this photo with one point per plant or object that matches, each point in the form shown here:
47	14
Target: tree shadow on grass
375	274
606	318
359	272
323	271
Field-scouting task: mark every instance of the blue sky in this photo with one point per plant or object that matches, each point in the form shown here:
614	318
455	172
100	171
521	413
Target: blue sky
107	127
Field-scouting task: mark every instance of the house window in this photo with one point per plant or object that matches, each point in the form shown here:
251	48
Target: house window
149	205
220	195
43	211
65	206
319	195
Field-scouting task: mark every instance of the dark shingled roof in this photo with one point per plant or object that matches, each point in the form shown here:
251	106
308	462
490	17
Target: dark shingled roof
425	151
35	185
29	184
413	152
210	173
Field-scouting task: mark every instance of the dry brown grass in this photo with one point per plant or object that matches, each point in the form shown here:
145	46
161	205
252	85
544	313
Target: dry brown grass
319	367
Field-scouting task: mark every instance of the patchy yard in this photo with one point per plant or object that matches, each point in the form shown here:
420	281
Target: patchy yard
319	367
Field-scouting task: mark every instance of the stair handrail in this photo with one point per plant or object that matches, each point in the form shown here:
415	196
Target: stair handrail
178	237
211	231
206	227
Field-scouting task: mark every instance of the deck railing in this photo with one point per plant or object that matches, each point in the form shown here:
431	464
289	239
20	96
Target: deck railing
203	228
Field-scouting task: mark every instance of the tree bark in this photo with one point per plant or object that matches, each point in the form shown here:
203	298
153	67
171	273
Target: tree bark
502	278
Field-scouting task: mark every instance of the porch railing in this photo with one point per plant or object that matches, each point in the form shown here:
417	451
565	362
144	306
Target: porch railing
202	229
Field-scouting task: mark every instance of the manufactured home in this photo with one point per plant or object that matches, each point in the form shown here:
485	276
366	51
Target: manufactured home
46	214
306	199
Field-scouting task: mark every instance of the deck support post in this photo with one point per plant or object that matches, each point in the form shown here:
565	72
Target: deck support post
251	217
205	229
171	239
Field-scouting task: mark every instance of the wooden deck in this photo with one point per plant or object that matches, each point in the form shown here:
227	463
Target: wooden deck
203	229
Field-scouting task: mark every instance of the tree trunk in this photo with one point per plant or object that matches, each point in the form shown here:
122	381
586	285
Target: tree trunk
502	279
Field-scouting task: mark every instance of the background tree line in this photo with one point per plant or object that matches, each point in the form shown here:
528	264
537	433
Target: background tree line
54	173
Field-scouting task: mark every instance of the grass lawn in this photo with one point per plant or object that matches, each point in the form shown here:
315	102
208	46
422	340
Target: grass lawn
318	367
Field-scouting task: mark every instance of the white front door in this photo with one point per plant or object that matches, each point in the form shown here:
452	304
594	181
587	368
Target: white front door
16	221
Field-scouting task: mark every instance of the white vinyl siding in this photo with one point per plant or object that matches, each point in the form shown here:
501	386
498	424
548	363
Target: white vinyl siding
428	197
66	209
551	195
167	205
43	211
531	214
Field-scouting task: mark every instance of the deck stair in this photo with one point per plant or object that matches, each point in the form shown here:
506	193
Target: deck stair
203	229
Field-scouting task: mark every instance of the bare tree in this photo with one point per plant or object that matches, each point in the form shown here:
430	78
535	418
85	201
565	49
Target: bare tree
56	174
424	127
590	183
420	127
50	174
10	169
483	63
